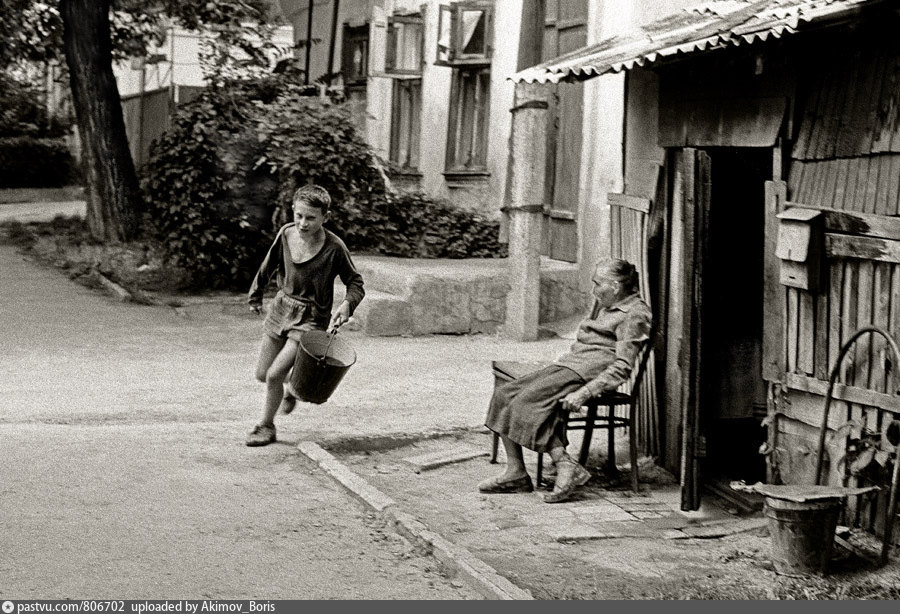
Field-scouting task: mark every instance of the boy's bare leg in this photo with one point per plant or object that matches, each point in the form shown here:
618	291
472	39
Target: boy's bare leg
268	350
274	378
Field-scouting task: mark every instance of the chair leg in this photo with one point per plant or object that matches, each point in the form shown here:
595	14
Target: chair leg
540	469
611	441
495	443
632	450
588	435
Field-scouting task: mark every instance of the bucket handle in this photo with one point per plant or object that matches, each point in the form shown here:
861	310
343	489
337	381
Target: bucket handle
331	336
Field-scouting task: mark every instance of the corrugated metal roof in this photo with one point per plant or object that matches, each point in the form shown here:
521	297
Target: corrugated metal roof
713	25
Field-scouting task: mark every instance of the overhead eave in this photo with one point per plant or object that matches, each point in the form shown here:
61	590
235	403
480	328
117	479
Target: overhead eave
714	25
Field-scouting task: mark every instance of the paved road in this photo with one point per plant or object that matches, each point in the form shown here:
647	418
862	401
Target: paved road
41	210
125	473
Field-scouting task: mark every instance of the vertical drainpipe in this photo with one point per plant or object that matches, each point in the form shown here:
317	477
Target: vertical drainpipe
309	22
333	42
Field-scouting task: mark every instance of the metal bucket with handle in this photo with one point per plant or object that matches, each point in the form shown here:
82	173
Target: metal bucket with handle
321	363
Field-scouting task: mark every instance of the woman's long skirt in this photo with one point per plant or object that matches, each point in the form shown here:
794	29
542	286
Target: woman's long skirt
525	410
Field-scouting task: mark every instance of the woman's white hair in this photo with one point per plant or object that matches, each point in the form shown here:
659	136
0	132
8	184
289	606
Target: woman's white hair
623	271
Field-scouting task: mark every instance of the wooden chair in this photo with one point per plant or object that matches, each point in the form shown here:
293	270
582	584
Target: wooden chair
592	418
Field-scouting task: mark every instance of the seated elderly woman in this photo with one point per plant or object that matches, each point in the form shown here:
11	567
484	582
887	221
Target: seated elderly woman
530	411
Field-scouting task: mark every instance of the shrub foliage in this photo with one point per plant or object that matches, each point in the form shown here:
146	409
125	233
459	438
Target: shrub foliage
220	182
29	162
33	152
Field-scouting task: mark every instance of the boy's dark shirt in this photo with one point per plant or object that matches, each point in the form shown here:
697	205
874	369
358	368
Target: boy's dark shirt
311	281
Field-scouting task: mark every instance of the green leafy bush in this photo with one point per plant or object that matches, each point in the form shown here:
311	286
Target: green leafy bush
29	162
23	113
421	227
192	206
33	153
220	183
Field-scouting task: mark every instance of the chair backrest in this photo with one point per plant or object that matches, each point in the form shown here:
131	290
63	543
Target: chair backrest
637	374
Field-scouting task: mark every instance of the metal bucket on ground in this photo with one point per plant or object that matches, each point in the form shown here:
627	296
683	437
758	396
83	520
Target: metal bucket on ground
321	363
802	534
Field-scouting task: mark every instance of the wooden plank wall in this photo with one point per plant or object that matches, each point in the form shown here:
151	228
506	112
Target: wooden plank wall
846	161
859	291
852	106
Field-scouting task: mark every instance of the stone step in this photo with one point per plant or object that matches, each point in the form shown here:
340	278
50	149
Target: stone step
458	296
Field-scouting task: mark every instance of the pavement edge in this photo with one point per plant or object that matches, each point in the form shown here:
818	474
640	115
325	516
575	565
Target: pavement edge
480	575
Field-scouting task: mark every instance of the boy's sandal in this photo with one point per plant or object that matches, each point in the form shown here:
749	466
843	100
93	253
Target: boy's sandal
261	435
288	402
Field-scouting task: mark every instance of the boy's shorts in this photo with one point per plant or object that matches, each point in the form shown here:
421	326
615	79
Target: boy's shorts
288	317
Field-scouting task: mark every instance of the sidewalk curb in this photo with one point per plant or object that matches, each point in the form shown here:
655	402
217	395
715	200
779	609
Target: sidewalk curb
480	575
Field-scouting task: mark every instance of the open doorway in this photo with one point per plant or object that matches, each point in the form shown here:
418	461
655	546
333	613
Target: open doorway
733	393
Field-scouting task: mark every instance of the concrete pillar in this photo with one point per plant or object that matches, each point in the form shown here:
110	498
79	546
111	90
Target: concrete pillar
524	206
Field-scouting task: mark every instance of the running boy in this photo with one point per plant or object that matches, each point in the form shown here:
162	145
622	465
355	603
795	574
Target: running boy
306	258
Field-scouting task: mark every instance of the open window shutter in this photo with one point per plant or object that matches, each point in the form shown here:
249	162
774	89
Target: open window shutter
489	32
628	240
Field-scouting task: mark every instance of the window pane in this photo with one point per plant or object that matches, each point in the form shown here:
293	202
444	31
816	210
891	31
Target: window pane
356	54
415	122
468	130
360	59
444	38
473	31
412	47
404	47
391	58
468	119
405	123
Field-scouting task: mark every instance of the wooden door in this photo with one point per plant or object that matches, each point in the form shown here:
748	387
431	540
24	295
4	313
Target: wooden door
694	169
565	29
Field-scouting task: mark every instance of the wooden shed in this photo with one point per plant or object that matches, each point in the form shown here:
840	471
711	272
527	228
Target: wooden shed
762	143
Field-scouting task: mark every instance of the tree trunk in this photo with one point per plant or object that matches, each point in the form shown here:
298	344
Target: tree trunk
112	189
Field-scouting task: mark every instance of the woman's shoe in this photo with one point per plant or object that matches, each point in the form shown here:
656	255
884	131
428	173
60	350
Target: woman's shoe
570	475
496	485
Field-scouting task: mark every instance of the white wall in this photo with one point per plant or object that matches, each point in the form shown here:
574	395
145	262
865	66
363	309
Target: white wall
604	113
181	65
484	194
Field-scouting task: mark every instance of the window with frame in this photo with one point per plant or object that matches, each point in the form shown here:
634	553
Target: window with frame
465	43
403	62
406	124
355	54
465	33
468	126
405	41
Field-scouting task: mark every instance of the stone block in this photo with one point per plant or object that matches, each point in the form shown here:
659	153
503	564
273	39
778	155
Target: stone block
384	315
455	454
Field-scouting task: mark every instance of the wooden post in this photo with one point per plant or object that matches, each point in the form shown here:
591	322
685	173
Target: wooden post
524	205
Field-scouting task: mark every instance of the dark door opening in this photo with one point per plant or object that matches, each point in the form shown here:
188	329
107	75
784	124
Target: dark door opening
733	393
